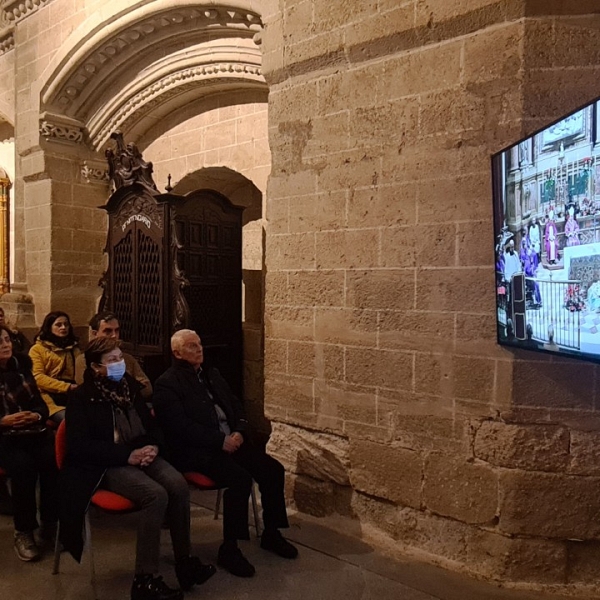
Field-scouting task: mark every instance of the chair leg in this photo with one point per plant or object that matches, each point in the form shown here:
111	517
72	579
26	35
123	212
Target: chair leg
255	509
56	551
88	543
218	503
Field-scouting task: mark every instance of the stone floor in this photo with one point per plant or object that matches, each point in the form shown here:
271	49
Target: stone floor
330	566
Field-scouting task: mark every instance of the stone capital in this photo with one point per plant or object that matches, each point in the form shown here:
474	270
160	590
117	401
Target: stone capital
58	128
16	10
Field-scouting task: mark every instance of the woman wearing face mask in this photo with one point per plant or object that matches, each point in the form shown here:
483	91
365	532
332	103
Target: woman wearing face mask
112	441
53	356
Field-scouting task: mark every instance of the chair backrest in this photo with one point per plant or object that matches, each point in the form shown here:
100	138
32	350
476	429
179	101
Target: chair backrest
60	444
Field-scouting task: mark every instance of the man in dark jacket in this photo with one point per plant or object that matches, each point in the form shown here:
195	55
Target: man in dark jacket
205	427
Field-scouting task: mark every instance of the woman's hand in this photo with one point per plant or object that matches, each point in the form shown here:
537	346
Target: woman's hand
73	387
19	419
142	457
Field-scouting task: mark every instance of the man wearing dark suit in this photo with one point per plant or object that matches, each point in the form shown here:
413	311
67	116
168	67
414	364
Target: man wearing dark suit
205	427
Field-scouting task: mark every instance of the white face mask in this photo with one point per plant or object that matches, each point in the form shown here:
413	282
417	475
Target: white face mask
116	370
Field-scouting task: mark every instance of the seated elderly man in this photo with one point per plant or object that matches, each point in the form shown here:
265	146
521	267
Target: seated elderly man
106	325
205	427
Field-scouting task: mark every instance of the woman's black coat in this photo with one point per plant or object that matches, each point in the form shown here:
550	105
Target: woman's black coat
91	450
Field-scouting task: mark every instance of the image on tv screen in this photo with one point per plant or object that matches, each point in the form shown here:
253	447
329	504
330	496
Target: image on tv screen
547	238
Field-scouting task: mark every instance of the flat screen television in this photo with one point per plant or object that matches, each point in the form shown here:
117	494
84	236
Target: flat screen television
546	191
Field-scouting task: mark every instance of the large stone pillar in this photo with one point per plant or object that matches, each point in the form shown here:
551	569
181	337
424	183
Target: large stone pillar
391	401
65	230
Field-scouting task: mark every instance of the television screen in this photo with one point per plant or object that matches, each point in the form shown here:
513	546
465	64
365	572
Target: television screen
547	237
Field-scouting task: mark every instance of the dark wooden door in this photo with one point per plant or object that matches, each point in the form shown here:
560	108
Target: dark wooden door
138	282
209	231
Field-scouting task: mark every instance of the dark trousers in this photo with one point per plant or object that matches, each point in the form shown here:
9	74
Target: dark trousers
160	491
27	459
236	472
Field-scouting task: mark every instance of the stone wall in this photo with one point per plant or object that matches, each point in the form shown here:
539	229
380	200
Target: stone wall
381	361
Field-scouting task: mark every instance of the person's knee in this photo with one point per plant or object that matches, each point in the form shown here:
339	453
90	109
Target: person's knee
157	498
180	489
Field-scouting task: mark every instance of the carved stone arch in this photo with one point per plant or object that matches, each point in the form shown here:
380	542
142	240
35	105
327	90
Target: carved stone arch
117	68
237	188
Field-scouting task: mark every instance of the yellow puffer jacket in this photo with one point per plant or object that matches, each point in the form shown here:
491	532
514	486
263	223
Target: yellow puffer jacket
52	366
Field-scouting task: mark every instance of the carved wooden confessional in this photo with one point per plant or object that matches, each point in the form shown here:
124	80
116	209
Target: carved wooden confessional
174	262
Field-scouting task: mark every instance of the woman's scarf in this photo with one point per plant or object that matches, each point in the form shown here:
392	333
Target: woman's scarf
128	425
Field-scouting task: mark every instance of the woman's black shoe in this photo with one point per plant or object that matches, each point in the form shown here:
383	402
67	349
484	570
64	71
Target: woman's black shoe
147	587
191	571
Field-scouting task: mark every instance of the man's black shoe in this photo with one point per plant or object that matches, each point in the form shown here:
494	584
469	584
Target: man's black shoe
231	559
191	571
146	587
274	542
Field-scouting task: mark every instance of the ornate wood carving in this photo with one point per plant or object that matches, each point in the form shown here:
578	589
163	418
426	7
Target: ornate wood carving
180	310
126	165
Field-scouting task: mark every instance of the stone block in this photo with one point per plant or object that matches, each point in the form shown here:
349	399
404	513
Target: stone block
425	70
318	455
330	133
382	206
504	62
560	384
584	452
350	169
455	199
275	356
330	362
318	212
530	447
346	326
291	393
415	330
392	289
432	534
477	332
474	378
452	289
473	247
583	559
433	374
301	359
391	369
356	249
346	402
374	470
495	556
289	322
398	17
276	288
370	126
459	489
316	288
291	251
311	496
364	85
549	505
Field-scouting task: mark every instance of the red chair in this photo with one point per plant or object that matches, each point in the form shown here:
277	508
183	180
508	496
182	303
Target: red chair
203	483
103	499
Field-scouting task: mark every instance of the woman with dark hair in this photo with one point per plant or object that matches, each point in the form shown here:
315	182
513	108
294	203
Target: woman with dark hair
20	343
53	356
113	441
26	450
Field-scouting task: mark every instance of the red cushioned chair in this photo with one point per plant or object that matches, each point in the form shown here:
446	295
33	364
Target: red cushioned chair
203	483
103	499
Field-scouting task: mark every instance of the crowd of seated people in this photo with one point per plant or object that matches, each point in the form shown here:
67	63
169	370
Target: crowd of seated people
115	442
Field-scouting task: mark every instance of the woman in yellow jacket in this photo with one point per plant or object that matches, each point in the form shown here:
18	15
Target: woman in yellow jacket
53	356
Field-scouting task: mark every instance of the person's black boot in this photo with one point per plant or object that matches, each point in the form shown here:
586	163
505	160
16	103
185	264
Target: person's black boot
230	557
190	571
147	587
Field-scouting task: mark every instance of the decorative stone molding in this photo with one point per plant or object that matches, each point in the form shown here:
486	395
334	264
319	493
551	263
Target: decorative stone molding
7	39
94	171
61	129
168	87
120	48
16	10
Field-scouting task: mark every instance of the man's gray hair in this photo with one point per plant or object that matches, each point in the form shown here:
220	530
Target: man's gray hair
177	339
